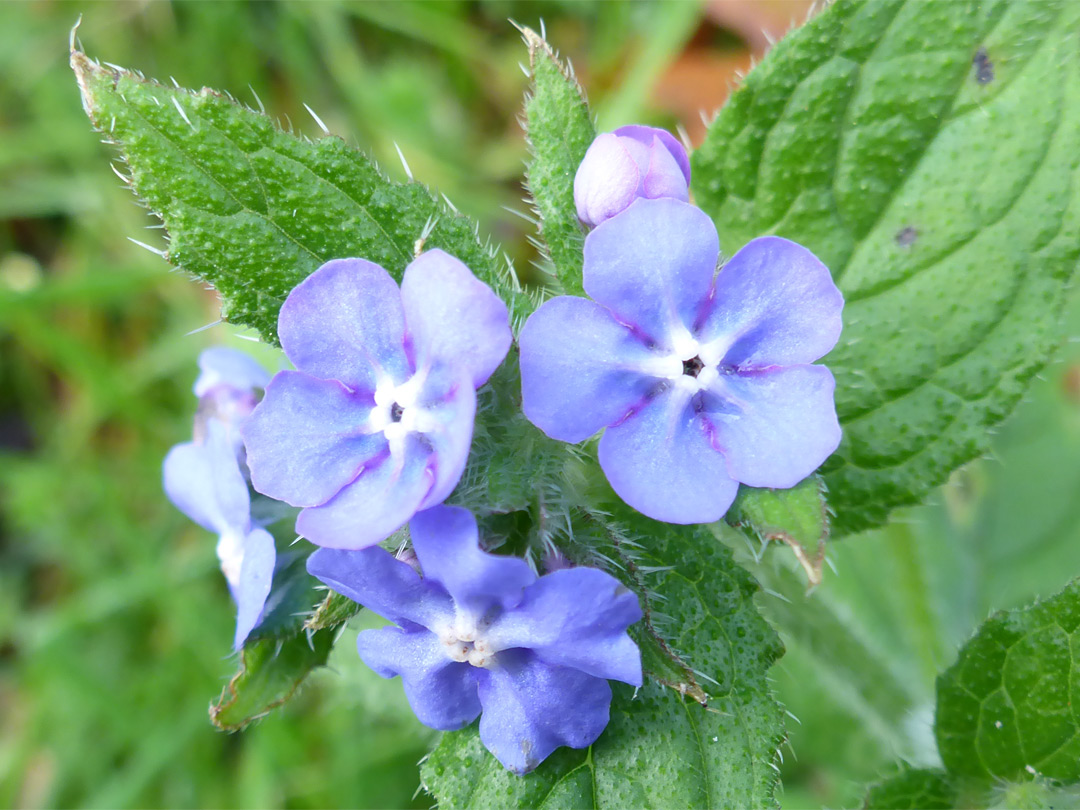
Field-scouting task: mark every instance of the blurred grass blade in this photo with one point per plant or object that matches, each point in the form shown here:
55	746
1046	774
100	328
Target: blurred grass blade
559	131
254	210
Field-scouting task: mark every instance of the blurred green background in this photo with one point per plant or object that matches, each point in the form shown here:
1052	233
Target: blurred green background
114	621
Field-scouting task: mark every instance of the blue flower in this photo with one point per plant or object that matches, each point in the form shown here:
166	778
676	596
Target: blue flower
631	162
205	480
228	387
480	634
377	421
702	380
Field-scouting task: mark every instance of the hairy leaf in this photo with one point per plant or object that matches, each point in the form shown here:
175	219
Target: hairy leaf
559	130
1007	709
292	596
271	670
704	730
914	789
797	517
928	153
254	210
334	610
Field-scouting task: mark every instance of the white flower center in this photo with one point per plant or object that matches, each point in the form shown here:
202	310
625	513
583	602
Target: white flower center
230	550
397	412
690	365
465	641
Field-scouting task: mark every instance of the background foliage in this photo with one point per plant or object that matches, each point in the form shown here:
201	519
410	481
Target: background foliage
114	622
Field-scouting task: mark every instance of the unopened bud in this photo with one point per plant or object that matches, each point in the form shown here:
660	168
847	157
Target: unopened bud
631	162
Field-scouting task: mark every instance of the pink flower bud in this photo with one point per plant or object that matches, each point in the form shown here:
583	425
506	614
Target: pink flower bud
631	162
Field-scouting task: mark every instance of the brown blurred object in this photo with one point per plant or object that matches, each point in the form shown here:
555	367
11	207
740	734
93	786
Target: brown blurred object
759	22
698	83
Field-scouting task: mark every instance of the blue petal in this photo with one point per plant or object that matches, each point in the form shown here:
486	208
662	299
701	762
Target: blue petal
776	426
220	365
375	505
576	617
256	574
384	585
776	304
305	440
454	318
661	462
204	481
581	370
345	322
447	544
453	413
652	265
531	708
441	692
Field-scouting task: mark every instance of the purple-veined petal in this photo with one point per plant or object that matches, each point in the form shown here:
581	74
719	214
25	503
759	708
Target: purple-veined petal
776	426
652	266
441	692
575	617
345	322
375	505
372	577
204	482
220	365
447	544
646	135
580	368
450	420
775	305
531	708
660	461
606	181
454	318
256	574
305	440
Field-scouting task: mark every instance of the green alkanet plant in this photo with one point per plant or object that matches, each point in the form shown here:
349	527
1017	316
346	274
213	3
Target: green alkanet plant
904	161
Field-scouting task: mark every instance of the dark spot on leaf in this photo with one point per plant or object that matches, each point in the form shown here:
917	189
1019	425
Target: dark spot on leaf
984	68
906	237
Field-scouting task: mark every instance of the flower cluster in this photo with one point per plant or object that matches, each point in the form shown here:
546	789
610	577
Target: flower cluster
701	380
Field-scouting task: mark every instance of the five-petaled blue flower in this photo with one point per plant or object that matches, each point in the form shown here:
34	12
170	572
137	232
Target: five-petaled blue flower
377	421
702	380
205	480
480	634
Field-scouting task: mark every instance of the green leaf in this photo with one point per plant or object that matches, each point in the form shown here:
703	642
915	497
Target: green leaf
270	672
292	595
928	153
559	130
254	210
703	635
914	789
1007	709
797	517
334	610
